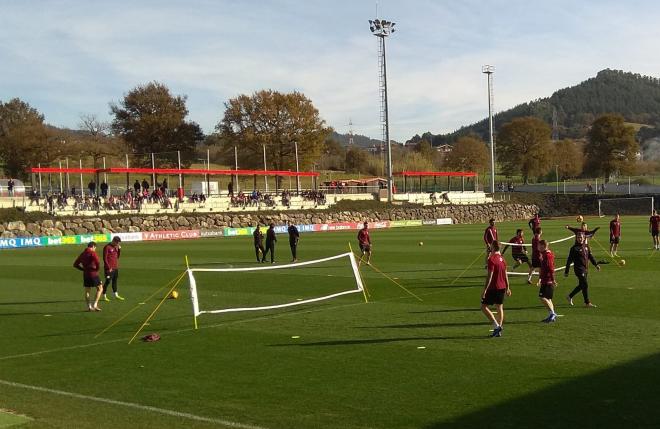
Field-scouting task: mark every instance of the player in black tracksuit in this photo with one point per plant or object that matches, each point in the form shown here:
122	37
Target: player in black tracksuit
294	237
270	244
580	256
258	243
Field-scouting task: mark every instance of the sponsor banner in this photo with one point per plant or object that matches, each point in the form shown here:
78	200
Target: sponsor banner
98	238
170	235
429	222
378	225
128	236
233	232
15	243
76	239
444	221
342	226
210	233
405	223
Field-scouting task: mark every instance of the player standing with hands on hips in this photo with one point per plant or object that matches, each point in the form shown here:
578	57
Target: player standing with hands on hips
294	237
497	285
88	262
615	235
111	254
580	256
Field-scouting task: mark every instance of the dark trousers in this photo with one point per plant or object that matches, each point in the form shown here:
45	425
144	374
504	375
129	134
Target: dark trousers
270	247
294	249
259	250
111	277
582	286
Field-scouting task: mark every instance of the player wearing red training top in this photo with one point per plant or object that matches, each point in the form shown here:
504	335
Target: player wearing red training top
518	251
534	222
547	281
615	235
364	240
490	235
536	253
88	262
497	285
111	254
654	229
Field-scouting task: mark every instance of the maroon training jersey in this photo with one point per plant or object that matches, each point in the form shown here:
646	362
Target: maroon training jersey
90	263
363	236
655	222
497	266
615	228
490	235
517	250
536	251
547	269
111	257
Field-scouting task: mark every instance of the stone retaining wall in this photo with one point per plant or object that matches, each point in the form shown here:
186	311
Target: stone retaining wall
459	214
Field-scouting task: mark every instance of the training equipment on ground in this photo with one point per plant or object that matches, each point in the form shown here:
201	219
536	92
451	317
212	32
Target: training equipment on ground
217	275
622	262
174	294
626	206
579	218
535	273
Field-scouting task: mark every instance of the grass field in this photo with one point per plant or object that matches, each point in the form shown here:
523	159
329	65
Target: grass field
395	362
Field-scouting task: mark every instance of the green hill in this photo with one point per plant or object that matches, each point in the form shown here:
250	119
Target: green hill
632	95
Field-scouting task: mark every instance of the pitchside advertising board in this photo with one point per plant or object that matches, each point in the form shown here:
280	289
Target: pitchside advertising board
24	242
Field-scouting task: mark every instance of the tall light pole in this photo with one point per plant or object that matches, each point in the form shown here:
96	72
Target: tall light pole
381	29
488	71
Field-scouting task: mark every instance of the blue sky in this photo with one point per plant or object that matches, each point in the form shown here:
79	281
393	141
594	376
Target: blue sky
72	57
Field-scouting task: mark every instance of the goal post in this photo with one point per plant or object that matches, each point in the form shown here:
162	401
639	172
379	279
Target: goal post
352	267
625	206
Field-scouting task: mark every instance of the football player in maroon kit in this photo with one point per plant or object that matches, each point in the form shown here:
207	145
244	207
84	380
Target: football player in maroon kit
654	229
547	281
490	235
88	262
364	241
497	285
111	254
518	252
615	235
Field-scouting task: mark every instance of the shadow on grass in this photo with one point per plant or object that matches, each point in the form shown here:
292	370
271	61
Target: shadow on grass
475	309
624	396
380	341
40	313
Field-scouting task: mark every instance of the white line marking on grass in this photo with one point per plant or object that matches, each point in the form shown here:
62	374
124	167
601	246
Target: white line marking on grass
132	405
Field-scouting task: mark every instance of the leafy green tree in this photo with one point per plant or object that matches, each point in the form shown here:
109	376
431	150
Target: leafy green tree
333	155
275	121
357	160
611	147
425	150
468	154
151	120
569	159
523	147
23	138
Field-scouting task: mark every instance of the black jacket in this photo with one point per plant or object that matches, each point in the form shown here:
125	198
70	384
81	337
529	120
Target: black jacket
258	237
294	235
270	236
580	256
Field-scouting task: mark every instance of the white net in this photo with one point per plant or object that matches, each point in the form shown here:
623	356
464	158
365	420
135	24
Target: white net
270	287
625	206
535	272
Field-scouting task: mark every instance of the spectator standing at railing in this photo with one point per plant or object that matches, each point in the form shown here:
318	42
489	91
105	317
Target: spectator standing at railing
294	238
136	187
10	187
164	187
104	189
230	189
145	185
92	188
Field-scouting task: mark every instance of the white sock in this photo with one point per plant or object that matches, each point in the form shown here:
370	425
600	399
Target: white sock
116	293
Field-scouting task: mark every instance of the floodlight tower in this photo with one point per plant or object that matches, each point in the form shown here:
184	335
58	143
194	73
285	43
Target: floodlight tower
350	132
381	29
488	70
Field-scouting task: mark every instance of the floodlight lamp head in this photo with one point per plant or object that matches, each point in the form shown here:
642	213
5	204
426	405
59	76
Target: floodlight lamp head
488	69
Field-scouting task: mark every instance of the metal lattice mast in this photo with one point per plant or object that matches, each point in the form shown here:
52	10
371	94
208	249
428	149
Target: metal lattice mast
488	70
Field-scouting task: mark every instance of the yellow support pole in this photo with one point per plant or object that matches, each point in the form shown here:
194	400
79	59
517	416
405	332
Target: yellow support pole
395	282
469	266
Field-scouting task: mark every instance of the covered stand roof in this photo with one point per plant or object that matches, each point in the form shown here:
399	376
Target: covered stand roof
172	171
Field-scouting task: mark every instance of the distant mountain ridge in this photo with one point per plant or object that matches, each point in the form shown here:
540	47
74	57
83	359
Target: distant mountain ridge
573	109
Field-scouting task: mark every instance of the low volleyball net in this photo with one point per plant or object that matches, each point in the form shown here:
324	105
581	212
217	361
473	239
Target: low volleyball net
230	289
559	255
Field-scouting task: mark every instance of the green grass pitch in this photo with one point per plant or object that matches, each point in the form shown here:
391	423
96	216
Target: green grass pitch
392	363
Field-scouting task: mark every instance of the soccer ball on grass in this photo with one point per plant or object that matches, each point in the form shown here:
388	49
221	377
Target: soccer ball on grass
174	295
